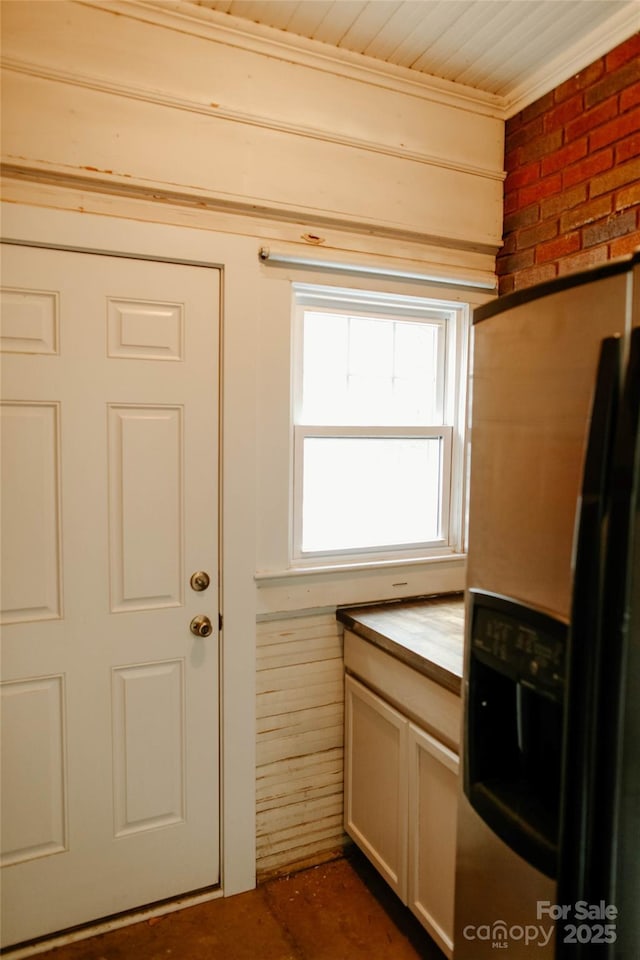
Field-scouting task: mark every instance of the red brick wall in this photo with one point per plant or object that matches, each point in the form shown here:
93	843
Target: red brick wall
572	192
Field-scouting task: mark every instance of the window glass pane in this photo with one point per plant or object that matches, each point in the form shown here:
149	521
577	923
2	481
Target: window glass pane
370	347
324	367
364	371
361	492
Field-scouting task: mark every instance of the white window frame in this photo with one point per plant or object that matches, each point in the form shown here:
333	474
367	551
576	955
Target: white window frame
454	316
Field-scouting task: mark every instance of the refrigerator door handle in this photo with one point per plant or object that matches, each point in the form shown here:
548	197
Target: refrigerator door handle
582	668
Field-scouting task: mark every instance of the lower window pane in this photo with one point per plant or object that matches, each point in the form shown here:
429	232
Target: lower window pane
366	492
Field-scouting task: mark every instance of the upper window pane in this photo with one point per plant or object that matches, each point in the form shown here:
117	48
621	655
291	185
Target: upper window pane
361	370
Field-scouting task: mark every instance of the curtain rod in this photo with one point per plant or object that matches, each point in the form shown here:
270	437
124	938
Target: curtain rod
266	256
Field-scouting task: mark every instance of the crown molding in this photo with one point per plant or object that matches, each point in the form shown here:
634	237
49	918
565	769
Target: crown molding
271	42
581	54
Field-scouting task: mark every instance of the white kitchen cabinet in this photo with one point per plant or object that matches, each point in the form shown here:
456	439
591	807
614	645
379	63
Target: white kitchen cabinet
401	784
376	782
433	789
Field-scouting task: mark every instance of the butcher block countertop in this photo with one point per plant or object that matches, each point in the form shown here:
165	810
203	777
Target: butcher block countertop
427	635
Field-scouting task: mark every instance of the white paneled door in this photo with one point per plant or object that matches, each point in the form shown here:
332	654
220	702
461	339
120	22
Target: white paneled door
110	729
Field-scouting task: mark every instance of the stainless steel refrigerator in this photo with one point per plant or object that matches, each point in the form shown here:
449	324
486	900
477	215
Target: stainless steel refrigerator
548	857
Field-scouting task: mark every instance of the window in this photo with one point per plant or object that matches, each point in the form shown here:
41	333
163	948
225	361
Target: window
378	415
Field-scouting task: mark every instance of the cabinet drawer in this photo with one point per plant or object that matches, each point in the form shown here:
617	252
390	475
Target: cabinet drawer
436	709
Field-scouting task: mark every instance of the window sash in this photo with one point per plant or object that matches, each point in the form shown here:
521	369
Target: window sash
417	548
438	318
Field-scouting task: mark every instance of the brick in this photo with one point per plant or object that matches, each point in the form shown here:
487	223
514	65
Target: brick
513	123
615	130
522	177
512	160
586	213
541	105
511	204
591	119
628	197
508	245
630	97
613	83
518	261
588	168
566	155
564	201
584	260
628	149
532	236
615	225
621	176
562	114
522	135
541	146
625	51
541	189
506	285
534	275
585	78
625	245
524	217
555	249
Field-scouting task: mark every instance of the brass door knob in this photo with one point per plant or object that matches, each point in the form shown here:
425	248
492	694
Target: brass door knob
201	626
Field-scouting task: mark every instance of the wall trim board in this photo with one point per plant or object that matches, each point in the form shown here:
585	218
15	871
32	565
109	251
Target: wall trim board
352	244
110	183
328	610
165	99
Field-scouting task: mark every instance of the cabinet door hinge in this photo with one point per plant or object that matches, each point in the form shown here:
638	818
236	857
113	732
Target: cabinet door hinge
219	621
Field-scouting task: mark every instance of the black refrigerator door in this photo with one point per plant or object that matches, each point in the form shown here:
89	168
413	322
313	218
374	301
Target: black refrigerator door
613	857
599	864
584	645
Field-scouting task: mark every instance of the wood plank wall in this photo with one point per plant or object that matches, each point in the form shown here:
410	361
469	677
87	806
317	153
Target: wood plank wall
300	711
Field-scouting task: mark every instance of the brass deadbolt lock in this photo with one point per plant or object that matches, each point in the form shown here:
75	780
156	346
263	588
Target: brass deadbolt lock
200	581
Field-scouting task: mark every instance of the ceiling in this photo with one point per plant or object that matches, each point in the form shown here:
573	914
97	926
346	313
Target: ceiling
515	50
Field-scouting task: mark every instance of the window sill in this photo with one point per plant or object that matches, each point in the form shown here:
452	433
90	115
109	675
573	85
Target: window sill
306	570
323	587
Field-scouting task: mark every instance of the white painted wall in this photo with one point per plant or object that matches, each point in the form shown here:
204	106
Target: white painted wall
149	126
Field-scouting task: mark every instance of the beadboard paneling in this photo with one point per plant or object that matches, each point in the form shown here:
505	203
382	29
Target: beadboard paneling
300	711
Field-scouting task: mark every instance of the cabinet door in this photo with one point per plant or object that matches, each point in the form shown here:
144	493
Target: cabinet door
375	814
433	787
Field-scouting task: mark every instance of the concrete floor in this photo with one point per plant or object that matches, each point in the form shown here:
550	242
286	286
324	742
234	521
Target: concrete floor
340	910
